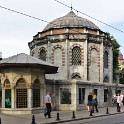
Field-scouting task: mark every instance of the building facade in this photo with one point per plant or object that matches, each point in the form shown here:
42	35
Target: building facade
85	59
23	84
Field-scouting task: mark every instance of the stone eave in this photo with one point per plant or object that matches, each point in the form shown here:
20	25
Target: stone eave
46	68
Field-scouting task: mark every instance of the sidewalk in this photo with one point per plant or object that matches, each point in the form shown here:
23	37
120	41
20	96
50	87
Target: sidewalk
64	116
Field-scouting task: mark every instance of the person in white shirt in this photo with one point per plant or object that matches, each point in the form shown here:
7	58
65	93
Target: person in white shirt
119	101
48	105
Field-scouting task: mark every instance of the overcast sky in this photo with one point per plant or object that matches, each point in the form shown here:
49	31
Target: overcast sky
17	30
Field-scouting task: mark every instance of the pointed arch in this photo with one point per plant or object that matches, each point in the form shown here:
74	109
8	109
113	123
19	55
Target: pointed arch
7	83
76	76
42	53
21	83
61	56
98	54
94	63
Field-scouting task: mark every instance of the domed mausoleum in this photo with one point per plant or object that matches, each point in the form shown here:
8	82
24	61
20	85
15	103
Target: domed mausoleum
85	59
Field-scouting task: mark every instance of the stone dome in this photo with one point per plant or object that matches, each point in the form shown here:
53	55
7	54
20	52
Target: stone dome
70	20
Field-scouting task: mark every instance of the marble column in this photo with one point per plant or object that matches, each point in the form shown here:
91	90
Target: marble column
12	98
3	98
30	97
74	95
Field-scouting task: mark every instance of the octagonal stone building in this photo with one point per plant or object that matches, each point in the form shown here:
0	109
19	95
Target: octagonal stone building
85	59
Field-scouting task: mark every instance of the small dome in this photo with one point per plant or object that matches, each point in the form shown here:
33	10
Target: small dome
70	20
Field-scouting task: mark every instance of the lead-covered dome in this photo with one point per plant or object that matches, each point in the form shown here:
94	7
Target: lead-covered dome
70	20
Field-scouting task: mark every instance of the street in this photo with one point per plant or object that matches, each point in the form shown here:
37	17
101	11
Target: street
112	119
81	117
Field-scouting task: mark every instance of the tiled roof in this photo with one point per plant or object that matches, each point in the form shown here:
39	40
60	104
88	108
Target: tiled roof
70	20
27	60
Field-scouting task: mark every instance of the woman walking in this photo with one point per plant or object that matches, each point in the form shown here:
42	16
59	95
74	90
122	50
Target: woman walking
95	103
89	104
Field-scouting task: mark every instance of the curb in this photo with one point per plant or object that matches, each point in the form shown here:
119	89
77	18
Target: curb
77	119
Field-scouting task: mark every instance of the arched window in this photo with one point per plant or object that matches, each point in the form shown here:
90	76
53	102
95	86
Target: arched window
105	59
76	56
36	93
42	55
21	94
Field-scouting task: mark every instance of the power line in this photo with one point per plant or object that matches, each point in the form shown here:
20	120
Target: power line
53	23
90	16
39	18
45	20
31	16
24	14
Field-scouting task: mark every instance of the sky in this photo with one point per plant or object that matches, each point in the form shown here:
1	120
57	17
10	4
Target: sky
16	30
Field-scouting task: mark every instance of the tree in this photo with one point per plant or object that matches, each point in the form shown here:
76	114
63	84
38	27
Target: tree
116	47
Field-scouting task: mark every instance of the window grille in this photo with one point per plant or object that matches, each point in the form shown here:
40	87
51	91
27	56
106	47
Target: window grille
21	94
36	94
21	98
36	97
42	55
76	56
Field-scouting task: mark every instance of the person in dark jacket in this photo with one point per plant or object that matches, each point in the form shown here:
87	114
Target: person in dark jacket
94	103
89	104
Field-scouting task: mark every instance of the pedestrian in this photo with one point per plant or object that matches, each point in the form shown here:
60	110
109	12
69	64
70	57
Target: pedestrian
119	102
48	105
122	99
94	103
89	104
114	100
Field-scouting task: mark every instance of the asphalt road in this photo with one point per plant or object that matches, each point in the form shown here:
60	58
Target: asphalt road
112	119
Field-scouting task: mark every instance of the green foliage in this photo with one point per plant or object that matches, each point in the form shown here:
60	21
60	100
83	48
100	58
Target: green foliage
65	97
116	47
122	78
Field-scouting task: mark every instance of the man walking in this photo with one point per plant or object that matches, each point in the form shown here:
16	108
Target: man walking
48	105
